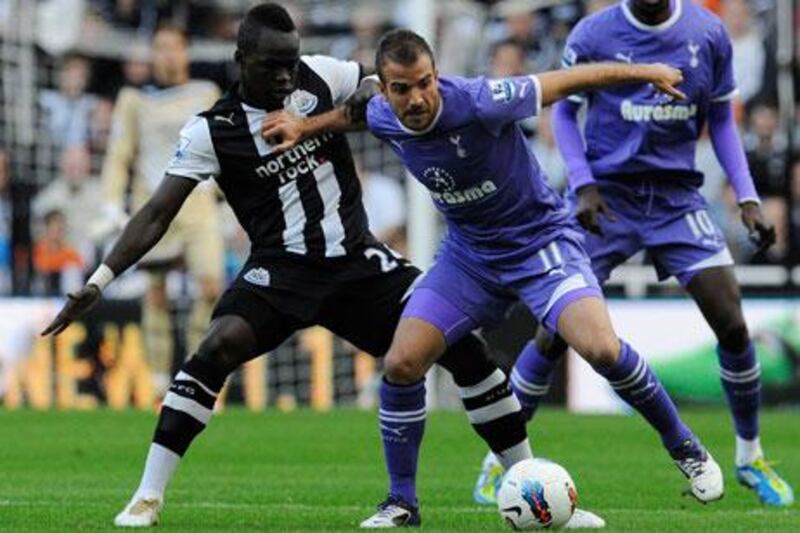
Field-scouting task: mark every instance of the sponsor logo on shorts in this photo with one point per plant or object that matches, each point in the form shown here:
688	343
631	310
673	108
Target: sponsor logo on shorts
258	276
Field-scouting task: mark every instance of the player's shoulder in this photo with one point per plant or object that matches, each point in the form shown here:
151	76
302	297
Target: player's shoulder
596	21
196	126
705	24
334	72
705	18
323	64
381	119
459	92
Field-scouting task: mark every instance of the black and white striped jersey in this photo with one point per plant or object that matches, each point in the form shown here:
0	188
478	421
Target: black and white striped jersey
305	201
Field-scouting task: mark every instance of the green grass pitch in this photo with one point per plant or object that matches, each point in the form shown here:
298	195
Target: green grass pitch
323	472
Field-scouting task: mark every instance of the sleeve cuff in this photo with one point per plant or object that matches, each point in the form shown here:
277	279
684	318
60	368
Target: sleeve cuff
749	199
538	85
725	97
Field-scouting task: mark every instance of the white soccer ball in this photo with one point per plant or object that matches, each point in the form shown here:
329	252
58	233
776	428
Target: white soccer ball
536	493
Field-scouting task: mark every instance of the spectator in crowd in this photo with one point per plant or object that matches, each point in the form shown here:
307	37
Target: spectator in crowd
146	123
522	24
749	54
5	223
75	195
767	149
139	15
507	58
367	23
58	267
100	127
68	110
136	68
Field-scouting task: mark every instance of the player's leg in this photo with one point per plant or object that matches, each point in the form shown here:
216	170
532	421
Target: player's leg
534	366
533	370
586	326
367	314
689	246
157	333
567	298
243	327
717	294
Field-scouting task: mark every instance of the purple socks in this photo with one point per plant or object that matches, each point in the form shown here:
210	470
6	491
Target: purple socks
402	423
740	374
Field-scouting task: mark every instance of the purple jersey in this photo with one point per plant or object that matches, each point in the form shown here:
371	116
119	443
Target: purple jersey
475	162
631	128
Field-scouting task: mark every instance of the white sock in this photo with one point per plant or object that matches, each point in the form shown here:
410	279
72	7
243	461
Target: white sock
158	470
747	451
515	454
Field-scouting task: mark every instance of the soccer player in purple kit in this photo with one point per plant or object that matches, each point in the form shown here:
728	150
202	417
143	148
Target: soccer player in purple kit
634	186
510	237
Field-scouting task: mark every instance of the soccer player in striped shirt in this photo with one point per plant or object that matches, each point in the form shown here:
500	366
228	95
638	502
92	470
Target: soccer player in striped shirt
313	262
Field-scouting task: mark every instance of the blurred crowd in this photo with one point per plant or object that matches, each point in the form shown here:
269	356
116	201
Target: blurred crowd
85	51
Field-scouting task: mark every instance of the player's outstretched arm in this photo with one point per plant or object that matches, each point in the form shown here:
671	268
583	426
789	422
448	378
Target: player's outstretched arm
141	233
558	84
284	130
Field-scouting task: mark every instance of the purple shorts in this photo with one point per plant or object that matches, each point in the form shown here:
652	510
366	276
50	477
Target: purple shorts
670	221
457	295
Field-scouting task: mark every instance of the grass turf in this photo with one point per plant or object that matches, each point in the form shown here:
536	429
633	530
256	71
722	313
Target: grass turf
323	472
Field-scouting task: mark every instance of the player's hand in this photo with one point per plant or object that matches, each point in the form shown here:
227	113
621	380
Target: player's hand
761	233
78	304
282	130
665	79
590	206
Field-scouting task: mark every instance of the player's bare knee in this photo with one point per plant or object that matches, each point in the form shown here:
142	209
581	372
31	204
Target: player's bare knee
733	336
603	352
227	345
402	368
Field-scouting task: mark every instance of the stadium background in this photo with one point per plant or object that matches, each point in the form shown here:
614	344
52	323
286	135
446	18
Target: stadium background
62	62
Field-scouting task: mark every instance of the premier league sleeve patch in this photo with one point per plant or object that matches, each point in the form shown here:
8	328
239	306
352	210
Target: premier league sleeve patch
502	90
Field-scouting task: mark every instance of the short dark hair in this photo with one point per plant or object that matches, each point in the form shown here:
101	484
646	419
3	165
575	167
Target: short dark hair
261	17
402	47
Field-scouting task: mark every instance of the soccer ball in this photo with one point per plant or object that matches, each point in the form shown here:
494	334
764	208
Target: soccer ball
536	493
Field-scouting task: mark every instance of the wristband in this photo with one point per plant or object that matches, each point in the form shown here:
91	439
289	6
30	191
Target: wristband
101	277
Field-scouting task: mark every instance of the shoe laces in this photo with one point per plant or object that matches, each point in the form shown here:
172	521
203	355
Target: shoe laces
385	507
765	467
693	467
